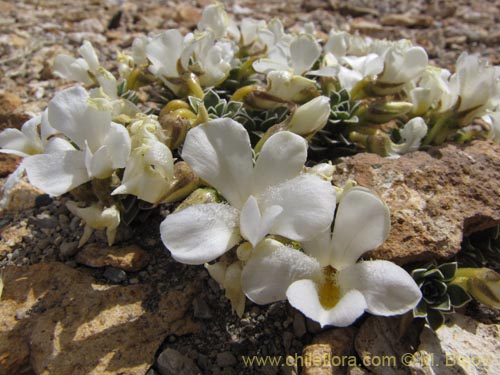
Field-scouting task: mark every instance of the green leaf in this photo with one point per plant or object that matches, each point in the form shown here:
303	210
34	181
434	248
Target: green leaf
448	270
435	319
458	296
194	102
434	274
418	273
420	311
443	305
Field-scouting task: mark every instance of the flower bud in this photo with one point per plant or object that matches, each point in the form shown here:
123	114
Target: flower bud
310	117
199	196
185	182
380	111
481	283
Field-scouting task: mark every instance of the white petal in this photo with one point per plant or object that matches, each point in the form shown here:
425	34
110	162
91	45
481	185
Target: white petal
327	71
67	67
14	142
412	134
266	65
282	157
220	153
303	295
57	173
57	144
304	51
308	204
387	288
118	144
99	164
272	269
200	233
164	52
253	225
310	117
70	113
319	247
362	224
88	53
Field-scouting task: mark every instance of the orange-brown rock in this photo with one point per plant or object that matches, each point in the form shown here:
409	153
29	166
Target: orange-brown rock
11	112
57	320
435	197
8	164
330	353
128	258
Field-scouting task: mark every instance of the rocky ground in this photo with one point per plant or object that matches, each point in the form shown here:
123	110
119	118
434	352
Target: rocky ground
132	310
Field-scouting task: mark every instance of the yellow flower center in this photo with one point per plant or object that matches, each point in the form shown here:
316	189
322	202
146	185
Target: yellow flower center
329	292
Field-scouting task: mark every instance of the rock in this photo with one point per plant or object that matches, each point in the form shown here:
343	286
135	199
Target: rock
68	249
462	346
129	258
22	196
172	362
11	114
407	20
436	198
201	310
380	347
299	324
115	275
226	359
8	164
330	353
74	326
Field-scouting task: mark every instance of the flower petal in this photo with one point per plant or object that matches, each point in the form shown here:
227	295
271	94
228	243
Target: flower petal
57	173
200	233
303	295
282	157
362	224
271	270
164	52
319	247
220	153
70	113
304	52
308	204
118	144
253	225
387	288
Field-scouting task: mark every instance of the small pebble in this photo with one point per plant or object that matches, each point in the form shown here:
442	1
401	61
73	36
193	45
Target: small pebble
43	200
115	275
226	359
68	249
201	310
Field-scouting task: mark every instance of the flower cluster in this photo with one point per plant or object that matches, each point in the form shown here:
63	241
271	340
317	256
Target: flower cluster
234	114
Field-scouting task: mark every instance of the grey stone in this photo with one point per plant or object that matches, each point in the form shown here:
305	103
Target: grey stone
226	359
68	249
115	275
201	310
172	362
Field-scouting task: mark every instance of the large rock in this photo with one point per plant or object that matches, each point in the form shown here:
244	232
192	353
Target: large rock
130	258
57	320
462	346
435	197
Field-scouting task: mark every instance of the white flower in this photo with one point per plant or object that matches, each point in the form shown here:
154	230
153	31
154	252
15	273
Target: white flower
96	146
229	278
412	134
150	167
96	217
214	18
475	84
431	91
271	197
286	86
326	283
86	69
298	57
212	59
403	65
